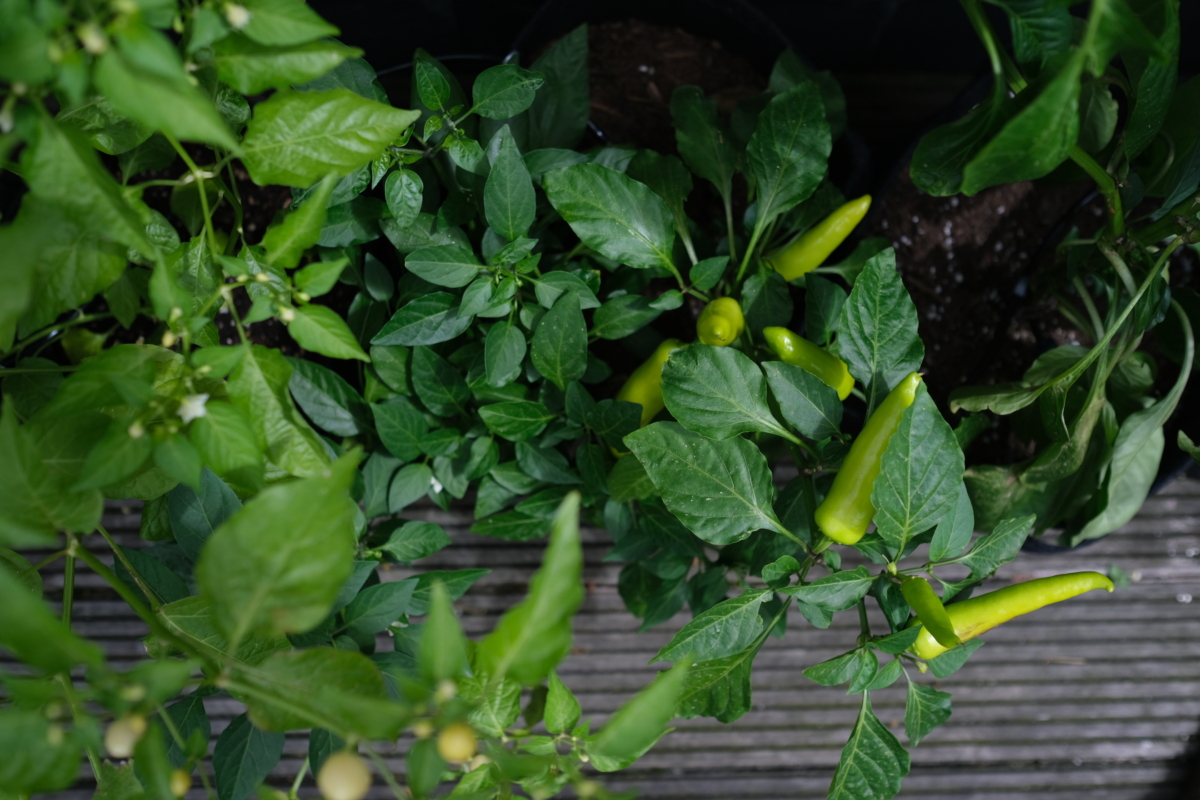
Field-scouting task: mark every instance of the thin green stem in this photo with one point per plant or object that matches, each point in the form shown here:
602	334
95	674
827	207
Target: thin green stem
863	623
128	595
77	713
68	589
983	29
754	237
58	326
199	177
1119	265
49	559
1093	313
137	578
299	777
386	773
1104	184
8	373
729	224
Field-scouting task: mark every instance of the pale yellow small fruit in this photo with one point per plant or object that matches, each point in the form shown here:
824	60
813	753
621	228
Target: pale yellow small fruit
344	776
122	735
180	782
456	742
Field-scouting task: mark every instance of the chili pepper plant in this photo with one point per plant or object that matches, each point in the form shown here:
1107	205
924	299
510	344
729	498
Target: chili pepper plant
469	284
1090	96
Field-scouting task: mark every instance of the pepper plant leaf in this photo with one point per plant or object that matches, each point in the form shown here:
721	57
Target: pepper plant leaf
873	761
925	709
717	392
725	629
788	151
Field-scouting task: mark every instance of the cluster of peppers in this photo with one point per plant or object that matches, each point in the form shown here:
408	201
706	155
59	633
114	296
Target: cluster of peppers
847	511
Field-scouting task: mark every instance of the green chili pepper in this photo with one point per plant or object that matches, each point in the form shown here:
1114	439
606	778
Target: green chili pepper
721	322
645	384
814	246
847	510
980	614
802	353
930	611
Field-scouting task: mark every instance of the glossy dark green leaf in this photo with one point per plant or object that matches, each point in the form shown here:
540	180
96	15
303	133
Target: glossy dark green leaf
559	346
378	606
943	153
706	273
514	526
953	533
508	198
296	138
835	592
503	353
998	547
721	490
613	420
415	539
704	144
194	515
553	285
804	400
401	427
766	301
623	316
723	630
613	214
439	385
560	110
411	483
919	475
189	718
243	758
517	420
1151	76
719	688
325	397
788	151
925	709
717	392
429	319
544	464
952	660
878	329
873	762
353	222
630	481
432	86
504	91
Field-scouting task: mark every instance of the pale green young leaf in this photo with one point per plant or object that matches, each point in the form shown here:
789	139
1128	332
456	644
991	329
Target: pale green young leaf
403	190
284	22
562	709
723	630
251	67
296	138
721	490
278	563
286	241
228	444
640	722
320	330
717	392
535	636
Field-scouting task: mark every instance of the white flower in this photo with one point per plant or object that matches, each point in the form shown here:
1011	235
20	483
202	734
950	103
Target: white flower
435	484
192	407
237	15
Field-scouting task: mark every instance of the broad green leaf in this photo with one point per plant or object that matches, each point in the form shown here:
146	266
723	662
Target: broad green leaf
401	427
668	178
284	22
415	539
376	607
704	144
296	138
445	265
42	461
925	709
353	222
629	481
324	396
111	132
805	401
723	630
443	649
613	214
835	592
1152	78
943	153
498	705
165	584
896	643
457	583
195	514
878	329
560	110
544	464
320	330
766	301
190	719
1039	30
952	660
62	169
640	722
243	758
228	444
919	476
517	420
439	385
278	563
721	490
873	761
788	151
117	456
195	620
428	319
953	533
623	316
823	301
562	709
286	241
403	191
38	756
535	636
158	97
30	631
719	688
503	354
1097	116
504	91
258	386
613	420
251	67
717	392
410	485
998	547
509	202
559	346
431	84
320	687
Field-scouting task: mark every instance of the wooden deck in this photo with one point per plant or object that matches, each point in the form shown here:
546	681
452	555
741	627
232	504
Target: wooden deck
1097	698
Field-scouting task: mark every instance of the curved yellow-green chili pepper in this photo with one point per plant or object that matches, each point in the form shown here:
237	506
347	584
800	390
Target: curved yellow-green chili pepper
802	353
814	245
847	510
721	322
978	615
645	384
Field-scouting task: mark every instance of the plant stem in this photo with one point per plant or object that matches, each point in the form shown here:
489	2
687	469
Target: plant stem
1104	184
77	713
120	555
1089	305
386	773
68	587
754	237
729	224
58	326
299	777
128	595
1119	265
199	177
862	618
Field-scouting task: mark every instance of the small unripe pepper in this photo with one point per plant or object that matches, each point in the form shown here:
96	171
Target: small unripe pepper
721	322
814	245
847	510
979	614
645	384
344	776
456	742
802	353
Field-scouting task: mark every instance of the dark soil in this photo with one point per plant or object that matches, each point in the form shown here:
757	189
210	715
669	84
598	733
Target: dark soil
634	68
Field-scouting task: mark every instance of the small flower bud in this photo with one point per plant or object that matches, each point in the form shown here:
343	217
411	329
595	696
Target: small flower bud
122	735
180	782
262	277
136	431
344	776
236	15
169	339
287	313
92	38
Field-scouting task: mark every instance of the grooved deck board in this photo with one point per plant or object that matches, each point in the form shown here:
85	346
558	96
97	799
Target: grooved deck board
1095	698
